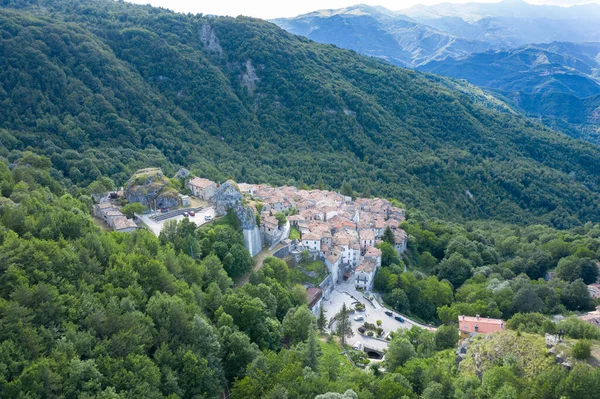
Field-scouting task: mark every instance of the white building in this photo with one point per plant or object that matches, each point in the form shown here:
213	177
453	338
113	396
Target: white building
365	274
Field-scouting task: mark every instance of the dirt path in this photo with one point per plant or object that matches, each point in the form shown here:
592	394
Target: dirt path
258	263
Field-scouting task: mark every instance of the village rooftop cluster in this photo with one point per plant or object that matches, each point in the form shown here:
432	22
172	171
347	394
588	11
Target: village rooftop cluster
333	227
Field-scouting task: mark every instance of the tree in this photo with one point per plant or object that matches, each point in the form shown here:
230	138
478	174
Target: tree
240	261
349	394
343	327
281	219
434	390
312	348
321	320
576	296
347	190
527	301
297	324
130	209
239	352
446	337
589	270
389	256
455	269
400	350
388	236
582	349
568	269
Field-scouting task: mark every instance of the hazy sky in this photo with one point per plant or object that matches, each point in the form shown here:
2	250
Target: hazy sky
289	8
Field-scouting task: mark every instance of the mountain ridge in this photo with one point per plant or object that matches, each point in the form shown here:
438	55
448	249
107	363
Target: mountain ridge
128	86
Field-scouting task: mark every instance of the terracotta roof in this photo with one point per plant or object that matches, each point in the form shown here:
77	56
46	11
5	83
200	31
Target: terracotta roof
367	266
311	236
372	252
367	235
314	294
122	223
200	182
485	325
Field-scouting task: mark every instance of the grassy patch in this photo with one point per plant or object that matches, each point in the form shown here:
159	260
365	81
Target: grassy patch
294	234
309	273
333	348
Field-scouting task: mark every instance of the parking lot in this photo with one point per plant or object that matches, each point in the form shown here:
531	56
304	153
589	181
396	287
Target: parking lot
346	293
199	219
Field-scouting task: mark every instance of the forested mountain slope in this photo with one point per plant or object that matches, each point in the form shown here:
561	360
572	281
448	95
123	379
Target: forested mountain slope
556	81
119	86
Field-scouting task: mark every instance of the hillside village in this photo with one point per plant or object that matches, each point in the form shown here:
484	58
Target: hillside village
341	231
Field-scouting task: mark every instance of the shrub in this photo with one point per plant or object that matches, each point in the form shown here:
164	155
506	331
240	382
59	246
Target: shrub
582	349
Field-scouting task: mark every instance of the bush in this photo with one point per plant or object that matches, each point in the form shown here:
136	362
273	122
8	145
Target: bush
582	349
370	333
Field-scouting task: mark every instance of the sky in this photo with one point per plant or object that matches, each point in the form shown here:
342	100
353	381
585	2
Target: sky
267	9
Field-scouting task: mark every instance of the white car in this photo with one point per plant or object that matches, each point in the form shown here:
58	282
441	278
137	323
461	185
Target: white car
357	346
207	217
359	318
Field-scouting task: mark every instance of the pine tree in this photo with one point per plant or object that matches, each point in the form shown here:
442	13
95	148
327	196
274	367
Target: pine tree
312	348
321	320
388	236
343	327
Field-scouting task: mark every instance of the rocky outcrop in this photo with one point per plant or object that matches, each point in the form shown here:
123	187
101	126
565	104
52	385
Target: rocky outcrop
182	173
150	188
228	196
249	77
209	39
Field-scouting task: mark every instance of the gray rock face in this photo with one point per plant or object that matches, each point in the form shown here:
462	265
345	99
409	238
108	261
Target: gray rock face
250	78
209	39
228	196
149	187
182	173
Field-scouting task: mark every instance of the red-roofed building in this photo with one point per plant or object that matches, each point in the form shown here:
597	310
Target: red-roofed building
479	325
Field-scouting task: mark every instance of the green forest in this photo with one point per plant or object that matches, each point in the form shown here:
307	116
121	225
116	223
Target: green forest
91	314
104	88
92	91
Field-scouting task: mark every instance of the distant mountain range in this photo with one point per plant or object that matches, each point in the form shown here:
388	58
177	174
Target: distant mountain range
558	82
420	34
381	33
490	45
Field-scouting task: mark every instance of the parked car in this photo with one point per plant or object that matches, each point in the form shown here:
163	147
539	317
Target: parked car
362	329
357	346
387	312
207	217
359	318
399	318
192	213
185	214
163	210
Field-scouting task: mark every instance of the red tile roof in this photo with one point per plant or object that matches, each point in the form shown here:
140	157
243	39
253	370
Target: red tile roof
485	325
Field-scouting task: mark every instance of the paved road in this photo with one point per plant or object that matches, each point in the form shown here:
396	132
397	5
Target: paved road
346	293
